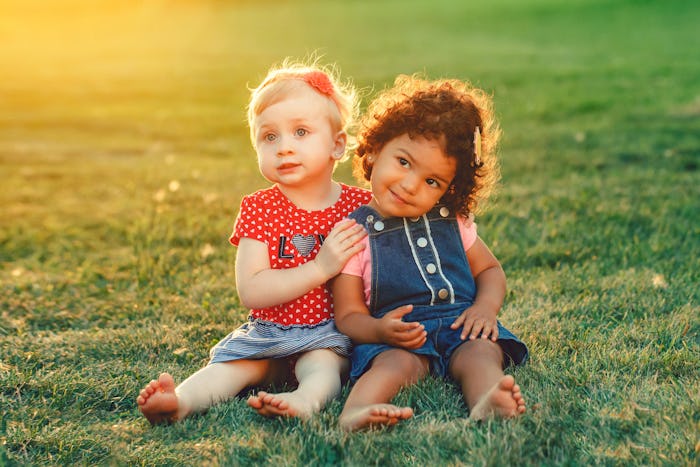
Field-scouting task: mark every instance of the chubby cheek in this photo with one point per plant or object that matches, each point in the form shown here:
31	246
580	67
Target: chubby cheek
266	166
377	185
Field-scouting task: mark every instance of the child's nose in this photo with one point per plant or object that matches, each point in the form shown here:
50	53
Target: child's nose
284	146
409	184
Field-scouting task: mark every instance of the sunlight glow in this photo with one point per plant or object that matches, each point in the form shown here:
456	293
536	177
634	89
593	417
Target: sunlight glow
49	40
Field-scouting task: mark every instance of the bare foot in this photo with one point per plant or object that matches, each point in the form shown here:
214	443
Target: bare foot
374	415
502	400
158	401
285	404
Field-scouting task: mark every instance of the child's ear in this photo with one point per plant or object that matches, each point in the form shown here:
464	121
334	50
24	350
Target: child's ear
340	141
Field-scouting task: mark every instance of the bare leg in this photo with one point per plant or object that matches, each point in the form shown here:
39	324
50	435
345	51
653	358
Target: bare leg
161	402
318	372
477	366
369	401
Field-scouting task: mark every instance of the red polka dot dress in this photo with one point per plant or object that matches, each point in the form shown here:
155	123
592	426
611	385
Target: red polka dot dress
293	237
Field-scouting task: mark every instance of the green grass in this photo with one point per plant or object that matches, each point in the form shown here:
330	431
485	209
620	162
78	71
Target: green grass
110	273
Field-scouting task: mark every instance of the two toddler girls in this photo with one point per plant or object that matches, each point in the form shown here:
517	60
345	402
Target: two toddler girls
420	291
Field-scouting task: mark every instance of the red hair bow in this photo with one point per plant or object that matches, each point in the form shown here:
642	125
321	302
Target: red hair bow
320	81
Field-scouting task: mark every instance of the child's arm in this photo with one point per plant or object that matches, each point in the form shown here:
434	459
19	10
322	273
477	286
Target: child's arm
260	286
490	280
354	319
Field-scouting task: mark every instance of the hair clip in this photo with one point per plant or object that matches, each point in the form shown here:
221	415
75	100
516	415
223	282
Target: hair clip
319	81
477	148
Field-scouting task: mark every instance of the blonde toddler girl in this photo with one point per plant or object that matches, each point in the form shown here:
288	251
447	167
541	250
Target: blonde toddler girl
288	248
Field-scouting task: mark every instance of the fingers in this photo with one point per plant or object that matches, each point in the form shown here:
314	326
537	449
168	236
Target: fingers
343	225
474	325
403	327
473	328
347	232
405	334
400	312
342	243
489	330
459	321
355	248
345	239
415	343
414	332
408	336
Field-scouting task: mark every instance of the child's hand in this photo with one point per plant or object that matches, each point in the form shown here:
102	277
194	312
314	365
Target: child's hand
340	245
395	332
477	320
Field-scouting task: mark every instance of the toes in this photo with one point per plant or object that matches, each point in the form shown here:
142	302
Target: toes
265	398
272	401
508	382
518	397
166	382
255	402
282	404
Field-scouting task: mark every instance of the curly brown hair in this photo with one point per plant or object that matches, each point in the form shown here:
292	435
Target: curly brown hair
448	110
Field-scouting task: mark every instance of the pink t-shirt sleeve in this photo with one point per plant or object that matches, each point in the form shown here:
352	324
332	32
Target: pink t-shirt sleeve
467	232
360	265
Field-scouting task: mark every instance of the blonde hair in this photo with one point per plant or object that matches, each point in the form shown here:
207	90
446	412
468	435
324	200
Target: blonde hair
282	80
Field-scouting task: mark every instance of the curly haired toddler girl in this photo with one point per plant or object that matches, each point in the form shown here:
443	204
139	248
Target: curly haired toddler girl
424	295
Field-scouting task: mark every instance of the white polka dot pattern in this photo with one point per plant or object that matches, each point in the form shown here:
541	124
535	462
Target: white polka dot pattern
293	237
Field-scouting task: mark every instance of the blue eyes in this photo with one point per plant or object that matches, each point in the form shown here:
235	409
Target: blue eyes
270	137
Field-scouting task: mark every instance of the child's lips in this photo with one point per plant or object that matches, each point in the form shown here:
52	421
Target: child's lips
287	166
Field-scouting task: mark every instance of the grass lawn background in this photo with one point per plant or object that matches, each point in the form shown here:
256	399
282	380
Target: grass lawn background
124	154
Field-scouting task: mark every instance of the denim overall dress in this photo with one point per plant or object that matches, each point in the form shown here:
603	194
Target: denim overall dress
421	261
